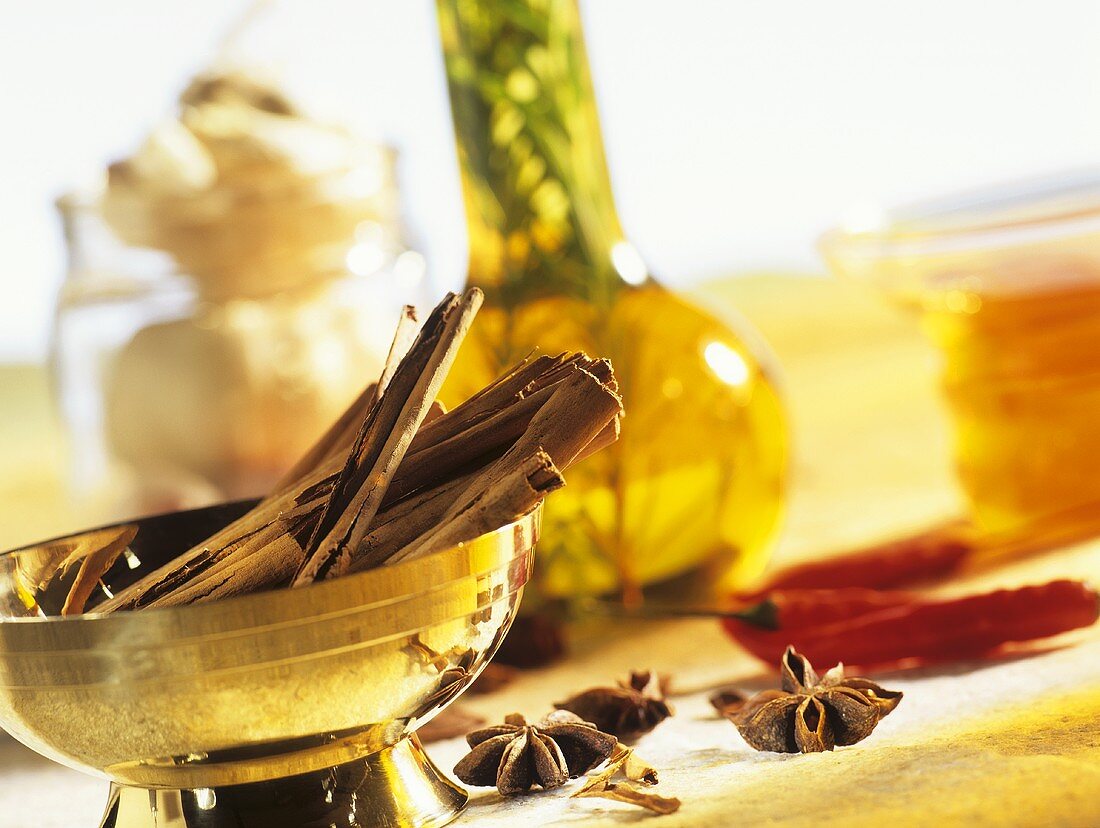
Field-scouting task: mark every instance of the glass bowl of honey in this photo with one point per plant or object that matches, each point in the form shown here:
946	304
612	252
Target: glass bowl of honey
1006	283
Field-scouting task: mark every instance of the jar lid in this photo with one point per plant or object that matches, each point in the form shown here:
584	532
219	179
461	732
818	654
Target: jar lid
1011	238
1049	205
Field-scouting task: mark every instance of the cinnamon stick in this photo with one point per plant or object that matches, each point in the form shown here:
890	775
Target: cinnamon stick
499	394
96	553
397	477
406	521
313	474
206	555
386	543
270	559
266	558
412	519
608	435
486	425
487	437
403	338
340	435
578	410
386	434
435	411
506	498
402	524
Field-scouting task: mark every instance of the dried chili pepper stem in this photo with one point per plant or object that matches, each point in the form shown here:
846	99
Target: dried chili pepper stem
797	608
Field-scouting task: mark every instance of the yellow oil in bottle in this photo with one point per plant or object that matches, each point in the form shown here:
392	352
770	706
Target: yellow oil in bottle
688	500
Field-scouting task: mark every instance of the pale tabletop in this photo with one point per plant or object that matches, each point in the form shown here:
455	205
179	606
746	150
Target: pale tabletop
1013	742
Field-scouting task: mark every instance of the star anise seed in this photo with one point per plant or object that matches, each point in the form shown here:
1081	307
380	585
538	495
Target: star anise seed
516	756
812	714
631	709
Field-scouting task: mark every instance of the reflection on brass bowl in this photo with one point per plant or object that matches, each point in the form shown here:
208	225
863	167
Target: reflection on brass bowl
296	707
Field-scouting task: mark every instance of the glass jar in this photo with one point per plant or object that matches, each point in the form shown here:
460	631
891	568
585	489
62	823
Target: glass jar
203	339
1007	285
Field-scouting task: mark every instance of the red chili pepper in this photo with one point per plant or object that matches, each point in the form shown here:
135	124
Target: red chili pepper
765	628
923	557
795	609
927	631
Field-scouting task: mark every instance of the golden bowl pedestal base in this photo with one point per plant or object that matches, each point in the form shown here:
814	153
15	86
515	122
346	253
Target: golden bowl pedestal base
398	787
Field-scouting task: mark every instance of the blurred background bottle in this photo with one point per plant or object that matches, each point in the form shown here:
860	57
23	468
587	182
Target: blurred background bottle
689	499
231	286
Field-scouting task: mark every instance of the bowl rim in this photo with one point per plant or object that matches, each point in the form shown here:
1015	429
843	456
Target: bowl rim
77	656
432	568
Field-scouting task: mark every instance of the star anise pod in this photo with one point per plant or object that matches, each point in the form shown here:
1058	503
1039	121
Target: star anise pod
516	756
727	700
812	714
633	708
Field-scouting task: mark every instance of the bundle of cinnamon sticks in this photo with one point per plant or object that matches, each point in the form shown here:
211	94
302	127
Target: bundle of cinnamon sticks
397	477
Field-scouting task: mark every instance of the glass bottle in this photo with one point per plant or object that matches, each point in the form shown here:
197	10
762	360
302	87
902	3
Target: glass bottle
688	501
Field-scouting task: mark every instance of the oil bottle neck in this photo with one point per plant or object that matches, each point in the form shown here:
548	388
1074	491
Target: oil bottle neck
539	208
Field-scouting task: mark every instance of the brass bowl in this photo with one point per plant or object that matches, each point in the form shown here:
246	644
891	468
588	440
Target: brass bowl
295	707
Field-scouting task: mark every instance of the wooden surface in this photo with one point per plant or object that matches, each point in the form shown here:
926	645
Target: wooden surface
1014	742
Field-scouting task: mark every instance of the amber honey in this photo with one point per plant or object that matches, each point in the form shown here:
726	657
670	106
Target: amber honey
1009	292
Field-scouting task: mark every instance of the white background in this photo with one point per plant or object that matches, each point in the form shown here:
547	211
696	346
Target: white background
737	130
